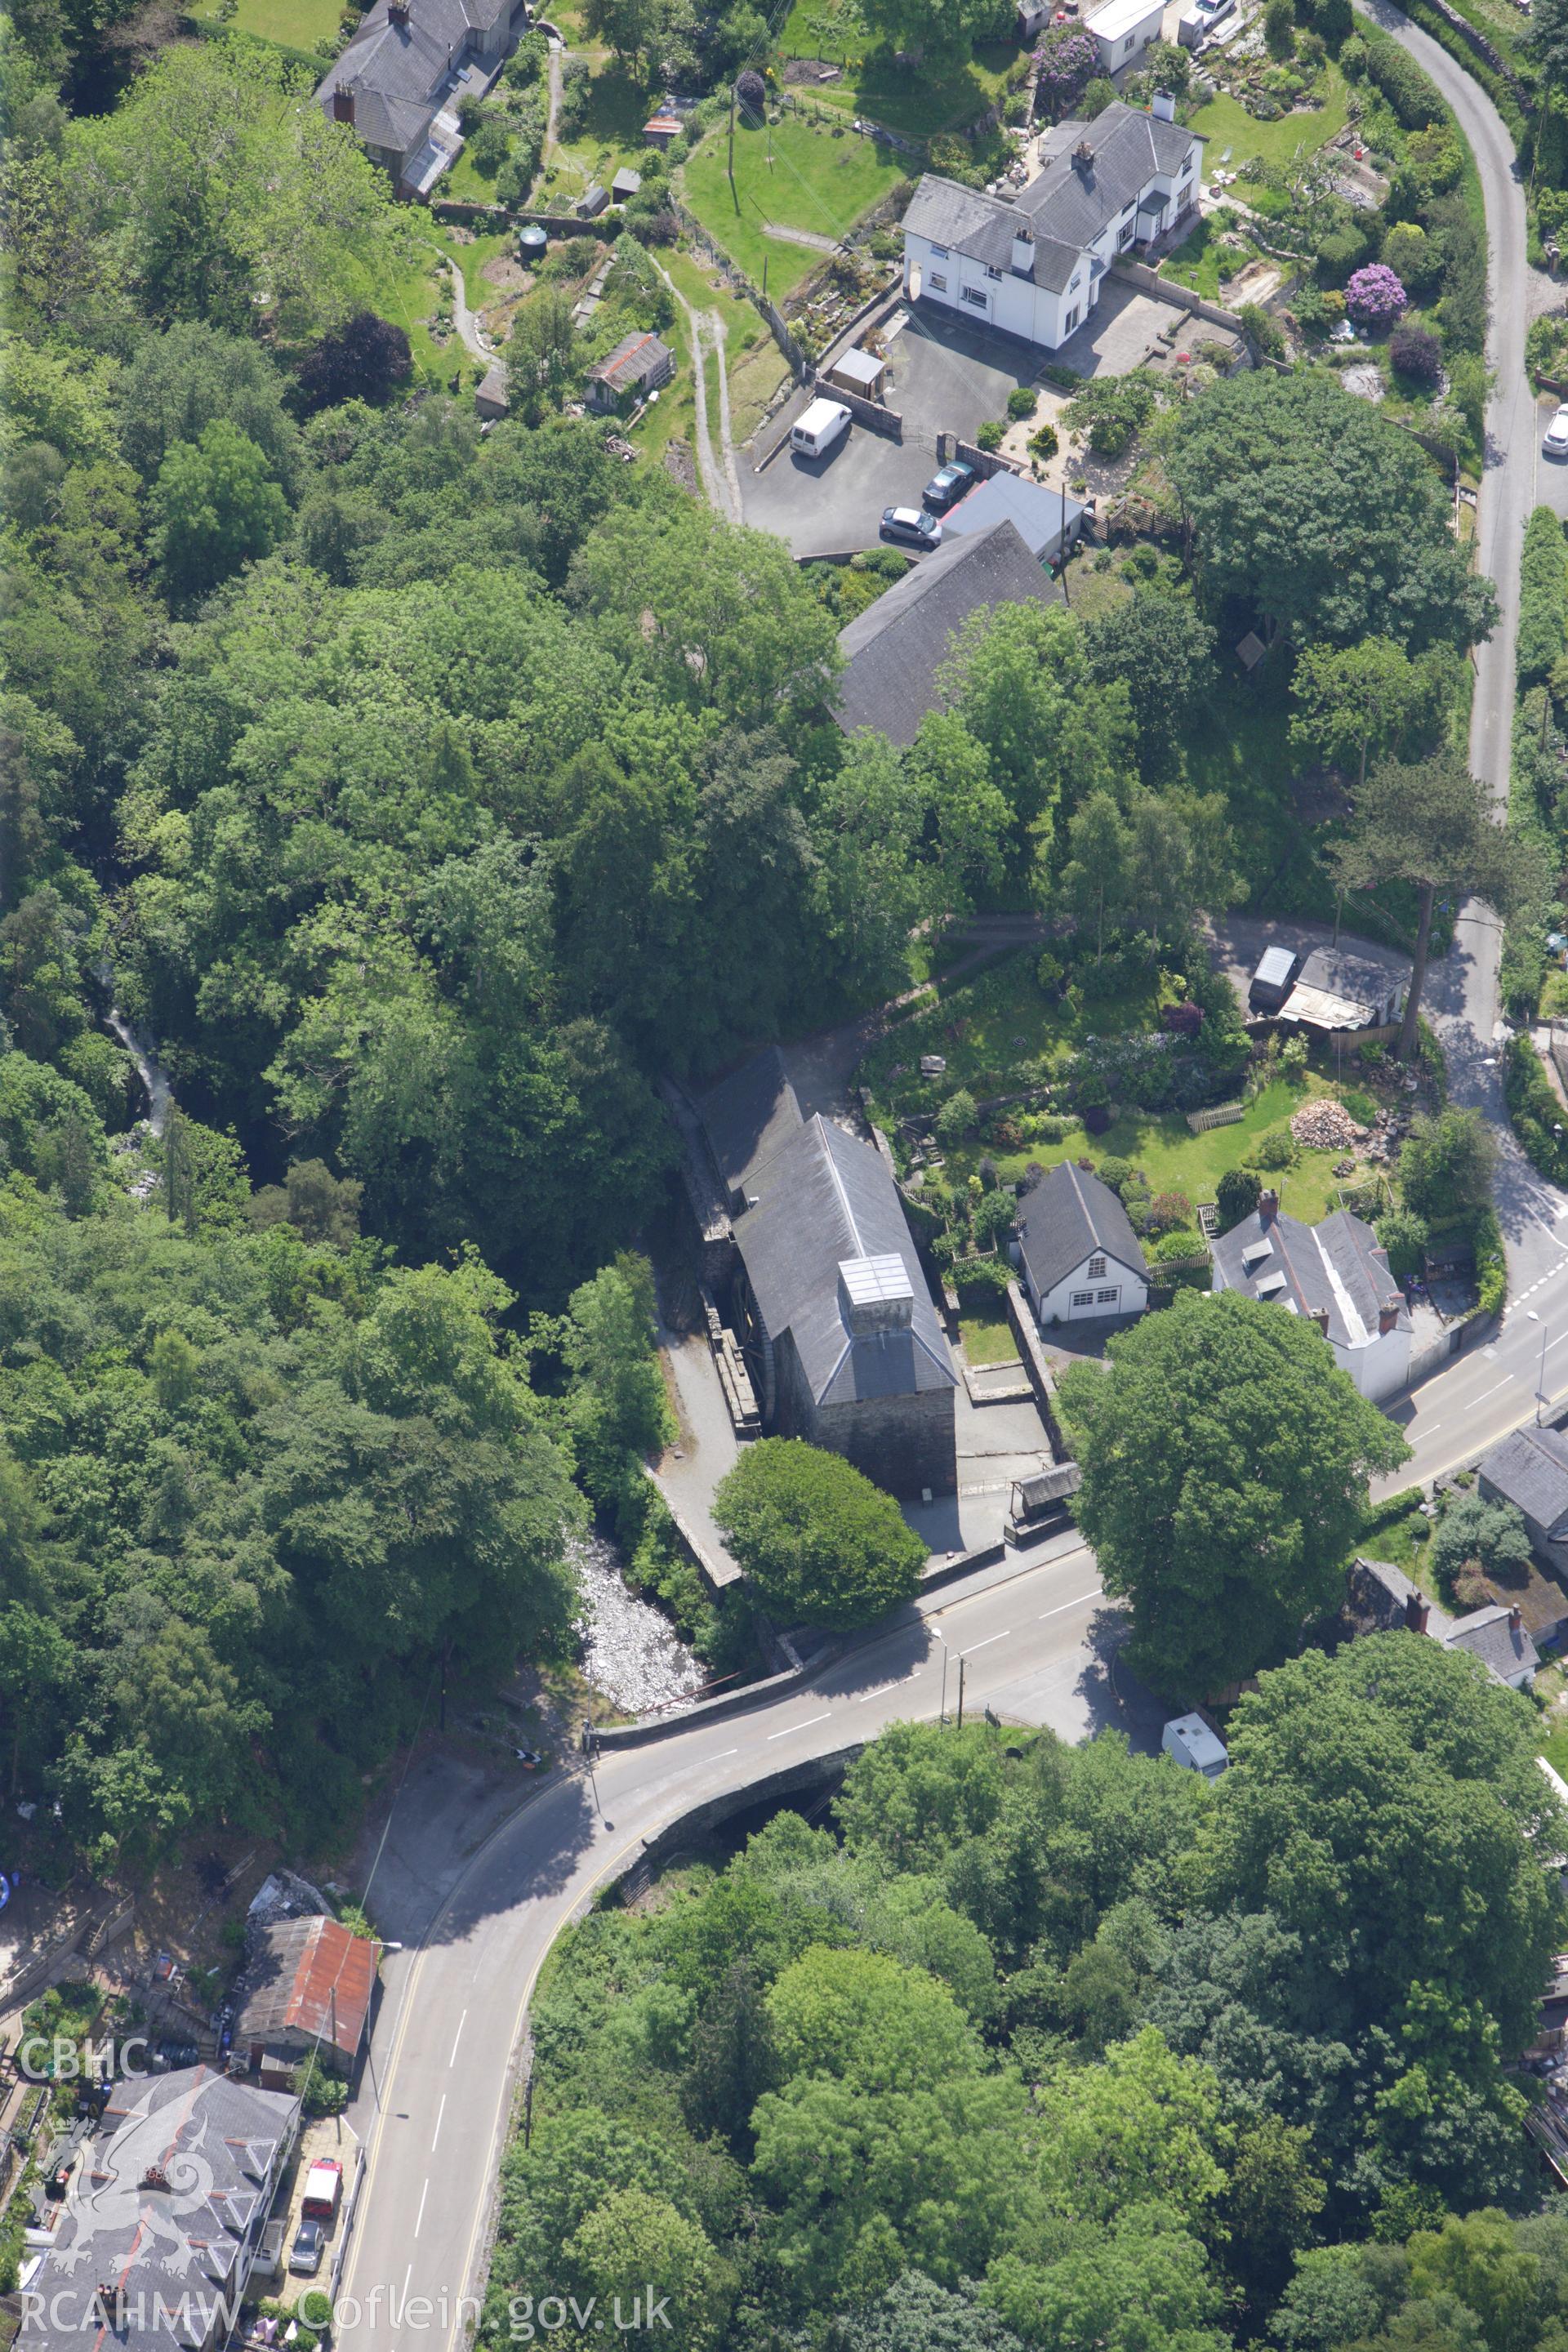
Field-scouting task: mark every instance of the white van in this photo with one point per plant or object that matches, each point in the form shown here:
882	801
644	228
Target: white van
824	423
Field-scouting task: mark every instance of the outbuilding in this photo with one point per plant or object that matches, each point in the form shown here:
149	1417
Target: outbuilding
861	372
1123	29
593	201
639	365
306	1992
626	183
1189	1742
1273	979
491	399
1046	520
662	131
1078	1252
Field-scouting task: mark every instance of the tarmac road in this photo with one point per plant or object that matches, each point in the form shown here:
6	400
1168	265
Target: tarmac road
437	2094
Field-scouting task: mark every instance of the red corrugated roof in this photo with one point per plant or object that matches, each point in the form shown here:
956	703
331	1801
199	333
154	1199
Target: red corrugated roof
336	1974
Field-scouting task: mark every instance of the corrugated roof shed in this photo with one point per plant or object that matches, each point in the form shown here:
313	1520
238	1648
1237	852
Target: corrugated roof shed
306	1973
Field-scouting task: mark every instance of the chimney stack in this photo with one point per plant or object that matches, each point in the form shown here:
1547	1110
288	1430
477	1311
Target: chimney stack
343	103
1515	1619
1388	1316
1083	158
1416	1613
397	13
1023	251
1267	1207
1321	1318
1163	106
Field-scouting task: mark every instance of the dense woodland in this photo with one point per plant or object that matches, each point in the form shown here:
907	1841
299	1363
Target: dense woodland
1064	2048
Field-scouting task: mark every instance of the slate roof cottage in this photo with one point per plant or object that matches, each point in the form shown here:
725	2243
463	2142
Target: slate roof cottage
1530	1470
1333	1275
1076	1249
399	82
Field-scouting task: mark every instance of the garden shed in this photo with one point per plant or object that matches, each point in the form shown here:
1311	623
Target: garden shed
861	372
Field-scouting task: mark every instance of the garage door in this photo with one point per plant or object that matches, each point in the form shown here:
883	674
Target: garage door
1094	1302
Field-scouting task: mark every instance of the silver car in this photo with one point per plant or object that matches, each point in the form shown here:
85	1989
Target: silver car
1554	442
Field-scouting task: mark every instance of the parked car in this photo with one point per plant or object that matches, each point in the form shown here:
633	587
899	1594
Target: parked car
323	2188
912	525
1554	443
305	2254
947	485
1214	12
175	2053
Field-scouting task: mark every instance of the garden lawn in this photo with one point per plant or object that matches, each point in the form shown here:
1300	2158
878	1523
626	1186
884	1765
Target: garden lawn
1225	122
945	93
987	1337
814	181
294	24
1554	1747
1174	1159
407	295
1002	1019
611	135
1196	261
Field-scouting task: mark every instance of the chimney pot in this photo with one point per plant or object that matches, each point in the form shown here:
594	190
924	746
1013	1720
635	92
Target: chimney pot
1083	158
1163	106
1321	1318
1388	1316
1267	1207
1515	1618
343	103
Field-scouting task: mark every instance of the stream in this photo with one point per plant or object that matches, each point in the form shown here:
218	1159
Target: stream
631	1652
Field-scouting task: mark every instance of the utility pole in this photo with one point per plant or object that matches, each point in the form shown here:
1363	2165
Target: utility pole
734	91
1065	598
960	1723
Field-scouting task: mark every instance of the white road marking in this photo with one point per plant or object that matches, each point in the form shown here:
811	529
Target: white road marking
457	2038
799	1726
883	1688
439	2112
987	1641
423	2194
1491	1393
1066	1605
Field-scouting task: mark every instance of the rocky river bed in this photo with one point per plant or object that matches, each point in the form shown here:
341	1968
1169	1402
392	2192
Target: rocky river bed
631	1652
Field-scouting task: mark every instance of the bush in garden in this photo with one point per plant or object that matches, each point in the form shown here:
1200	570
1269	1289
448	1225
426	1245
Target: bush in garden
1416	357
1276	1148
1049	974
1542	597
1415	258
989	435
1403	1237
1044	442
1235	1195
1375	297
1491	1535
1067	61
1279	29
955	1118
1022	402
1168	1212
1338	253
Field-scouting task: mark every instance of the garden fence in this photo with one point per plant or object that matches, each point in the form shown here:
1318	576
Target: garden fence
1222	1114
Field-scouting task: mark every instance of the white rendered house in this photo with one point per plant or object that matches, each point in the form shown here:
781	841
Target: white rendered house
1033	268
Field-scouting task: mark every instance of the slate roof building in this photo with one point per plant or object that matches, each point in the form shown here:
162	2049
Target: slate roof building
1033	268
306	1991
808	1248
1530	1470
162	2220
1333	1275
893	649
1383	1598
1078	1252
398	84
1046	520
843	1339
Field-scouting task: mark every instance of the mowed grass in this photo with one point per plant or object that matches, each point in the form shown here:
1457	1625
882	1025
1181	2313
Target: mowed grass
792	175
1174	1159
1196	261
296	23
941	94
1225	122
987	1337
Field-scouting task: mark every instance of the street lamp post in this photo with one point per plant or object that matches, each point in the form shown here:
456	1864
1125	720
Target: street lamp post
941	1711
1540	1378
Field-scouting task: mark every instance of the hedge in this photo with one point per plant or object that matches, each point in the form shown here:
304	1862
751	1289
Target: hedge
1388	1513
1534	1109
1491	1263
1542	597
1414	96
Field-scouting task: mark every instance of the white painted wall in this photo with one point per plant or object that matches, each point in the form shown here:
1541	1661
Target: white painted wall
1379	1368
1081	1294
